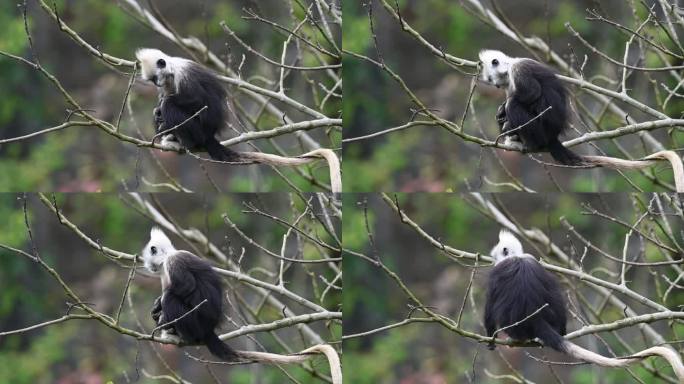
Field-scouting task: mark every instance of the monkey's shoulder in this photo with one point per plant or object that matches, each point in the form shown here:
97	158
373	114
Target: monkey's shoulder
188	261
197	79
531	68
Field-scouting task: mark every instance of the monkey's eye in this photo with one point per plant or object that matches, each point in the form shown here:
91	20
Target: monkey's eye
495	62
161	63
505	251
153	250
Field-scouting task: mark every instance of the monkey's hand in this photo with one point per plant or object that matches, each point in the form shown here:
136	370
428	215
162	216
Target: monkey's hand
501	117
156	310
158	121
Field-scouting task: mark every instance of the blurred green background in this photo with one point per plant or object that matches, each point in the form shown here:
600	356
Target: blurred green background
87	159
429	353
429	158
86	351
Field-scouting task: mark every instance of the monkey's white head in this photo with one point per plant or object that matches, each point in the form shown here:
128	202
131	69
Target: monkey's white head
496	67
161	69
508	246
157	250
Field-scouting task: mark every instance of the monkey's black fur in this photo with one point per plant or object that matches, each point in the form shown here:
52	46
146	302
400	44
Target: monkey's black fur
198	88
535	88
191	281
519	286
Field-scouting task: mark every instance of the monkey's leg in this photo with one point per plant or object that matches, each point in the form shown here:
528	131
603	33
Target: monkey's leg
490	324
169	139
512	139
169	331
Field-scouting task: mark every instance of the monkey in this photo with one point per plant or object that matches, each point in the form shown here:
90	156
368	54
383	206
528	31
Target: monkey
187	281
193	108
531	88
186	87
536	113
521	292
191	305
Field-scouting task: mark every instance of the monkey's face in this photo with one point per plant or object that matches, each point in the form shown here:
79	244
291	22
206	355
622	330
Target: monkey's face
508	246
158	68
162	76
495	68
156	251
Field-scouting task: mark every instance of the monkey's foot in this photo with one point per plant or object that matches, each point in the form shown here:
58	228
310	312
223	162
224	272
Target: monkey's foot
514	142
168	335
171	142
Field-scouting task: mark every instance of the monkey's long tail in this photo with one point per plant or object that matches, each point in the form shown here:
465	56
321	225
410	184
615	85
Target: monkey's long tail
221	153
563	155
218	152
648	161
321	153
666	353
325	349
220	349
566	157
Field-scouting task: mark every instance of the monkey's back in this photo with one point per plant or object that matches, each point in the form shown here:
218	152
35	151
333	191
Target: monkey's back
198	88
193	280
536	88
520	286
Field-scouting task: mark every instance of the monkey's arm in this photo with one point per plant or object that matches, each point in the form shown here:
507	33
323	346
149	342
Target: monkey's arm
156	309
183	283
192	131
157	117
501	116
489	321
527	87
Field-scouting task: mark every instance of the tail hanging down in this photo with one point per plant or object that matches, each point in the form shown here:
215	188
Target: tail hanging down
563	155
666	353
218	152
322	153
223	351
566	157
220	349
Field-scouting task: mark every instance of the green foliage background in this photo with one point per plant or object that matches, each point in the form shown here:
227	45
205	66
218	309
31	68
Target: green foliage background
425	352
431	159
85	158
82	350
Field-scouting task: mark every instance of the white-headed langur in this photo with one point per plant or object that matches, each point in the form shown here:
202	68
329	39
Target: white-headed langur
186	318
186	87
187	281
193	109
521	292
531	89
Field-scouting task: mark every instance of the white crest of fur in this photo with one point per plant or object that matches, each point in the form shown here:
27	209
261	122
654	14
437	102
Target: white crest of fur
499	74
508	246
148	58
157	250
